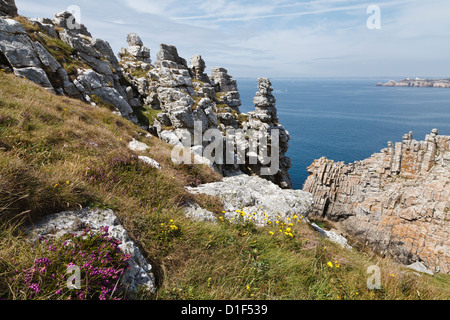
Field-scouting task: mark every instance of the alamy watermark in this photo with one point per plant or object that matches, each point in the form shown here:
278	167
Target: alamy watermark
74	22
374	281
74	281
374	20
234	147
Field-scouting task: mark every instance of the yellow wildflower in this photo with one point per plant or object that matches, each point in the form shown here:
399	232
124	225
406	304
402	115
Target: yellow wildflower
330	264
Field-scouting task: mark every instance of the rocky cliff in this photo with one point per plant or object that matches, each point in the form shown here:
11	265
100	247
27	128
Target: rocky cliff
397	202
166	97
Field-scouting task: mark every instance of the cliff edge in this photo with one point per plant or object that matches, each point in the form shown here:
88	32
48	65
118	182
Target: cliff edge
397	202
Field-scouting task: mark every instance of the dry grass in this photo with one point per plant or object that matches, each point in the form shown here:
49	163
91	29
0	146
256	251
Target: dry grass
58	153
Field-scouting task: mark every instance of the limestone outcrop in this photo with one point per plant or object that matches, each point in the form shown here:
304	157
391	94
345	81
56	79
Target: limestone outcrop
396	203
63	57
267	201
184	96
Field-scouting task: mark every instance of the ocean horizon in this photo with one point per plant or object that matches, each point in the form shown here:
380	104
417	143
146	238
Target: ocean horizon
349	119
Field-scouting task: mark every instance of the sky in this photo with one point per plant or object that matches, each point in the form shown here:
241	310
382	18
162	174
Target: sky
278	38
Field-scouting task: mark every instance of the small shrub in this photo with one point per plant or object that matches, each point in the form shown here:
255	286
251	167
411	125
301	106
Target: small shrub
98	256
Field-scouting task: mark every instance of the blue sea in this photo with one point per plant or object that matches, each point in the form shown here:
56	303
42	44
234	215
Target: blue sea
349	119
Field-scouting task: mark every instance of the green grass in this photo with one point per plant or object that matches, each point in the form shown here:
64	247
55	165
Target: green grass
58	153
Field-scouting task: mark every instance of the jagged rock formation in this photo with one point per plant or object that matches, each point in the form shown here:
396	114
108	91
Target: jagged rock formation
63	57
185	96
8	8
397	202
428	83
265	119
226	87
197	68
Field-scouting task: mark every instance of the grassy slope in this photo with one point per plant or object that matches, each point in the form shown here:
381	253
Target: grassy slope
57	153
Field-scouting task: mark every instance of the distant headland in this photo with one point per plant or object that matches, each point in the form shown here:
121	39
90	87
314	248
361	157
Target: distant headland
417	82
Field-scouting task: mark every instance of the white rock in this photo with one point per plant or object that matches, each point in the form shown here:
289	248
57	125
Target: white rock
332	236
195	212
150	161
253	194
135	145
420	267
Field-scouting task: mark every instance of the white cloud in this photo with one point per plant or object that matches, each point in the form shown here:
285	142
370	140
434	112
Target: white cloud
276	38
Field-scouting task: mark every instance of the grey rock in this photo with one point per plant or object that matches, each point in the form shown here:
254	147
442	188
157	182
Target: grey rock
195	212
253	194
37	75
67	21
198	67
420	267
134	40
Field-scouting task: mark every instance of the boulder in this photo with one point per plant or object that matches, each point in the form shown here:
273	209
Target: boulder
253	194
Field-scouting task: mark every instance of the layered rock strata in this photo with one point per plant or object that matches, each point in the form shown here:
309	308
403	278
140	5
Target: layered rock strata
397	202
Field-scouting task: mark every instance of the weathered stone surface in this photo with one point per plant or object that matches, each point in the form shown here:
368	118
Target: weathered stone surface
253	194
140	273
136	50
332	236
8	8
16	45
226	86
197	68
135	145
67	21
37	75
396	202
264	120
97	84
